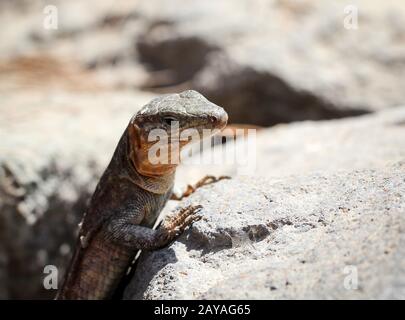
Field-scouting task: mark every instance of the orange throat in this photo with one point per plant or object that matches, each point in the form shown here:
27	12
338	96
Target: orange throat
139	156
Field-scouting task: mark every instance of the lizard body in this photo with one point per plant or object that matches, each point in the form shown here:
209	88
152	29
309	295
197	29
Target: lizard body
130	196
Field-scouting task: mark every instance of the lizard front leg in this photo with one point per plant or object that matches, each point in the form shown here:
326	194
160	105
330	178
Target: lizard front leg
144	238
202	182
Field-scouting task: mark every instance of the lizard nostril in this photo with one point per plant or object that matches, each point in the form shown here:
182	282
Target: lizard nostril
213	119
218	120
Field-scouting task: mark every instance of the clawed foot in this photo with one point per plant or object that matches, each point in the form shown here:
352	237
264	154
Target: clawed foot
173	226
203	182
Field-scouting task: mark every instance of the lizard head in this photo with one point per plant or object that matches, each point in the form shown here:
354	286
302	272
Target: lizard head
168	123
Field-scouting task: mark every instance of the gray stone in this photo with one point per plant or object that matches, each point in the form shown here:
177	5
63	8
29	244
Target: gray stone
327	235
266	62
270	61
326	200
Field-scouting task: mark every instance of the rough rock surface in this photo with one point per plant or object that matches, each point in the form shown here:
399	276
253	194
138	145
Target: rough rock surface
327	235
267	61
325	197
54	148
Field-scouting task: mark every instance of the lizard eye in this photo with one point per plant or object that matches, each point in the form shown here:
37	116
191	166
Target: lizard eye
168	120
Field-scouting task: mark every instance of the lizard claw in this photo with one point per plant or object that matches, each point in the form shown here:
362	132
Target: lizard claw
202	182
176	224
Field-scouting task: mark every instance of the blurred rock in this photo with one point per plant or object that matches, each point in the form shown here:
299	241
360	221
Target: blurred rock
280	61
266	61
96	35
321	236
39	72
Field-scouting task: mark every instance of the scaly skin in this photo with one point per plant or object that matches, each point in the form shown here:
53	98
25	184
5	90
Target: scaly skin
130	196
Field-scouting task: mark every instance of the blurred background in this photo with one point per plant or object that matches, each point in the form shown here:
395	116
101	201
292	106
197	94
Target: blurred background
73	72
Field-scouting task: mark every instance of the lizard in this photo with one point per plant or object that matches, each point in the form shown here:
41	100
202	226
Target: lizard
131	194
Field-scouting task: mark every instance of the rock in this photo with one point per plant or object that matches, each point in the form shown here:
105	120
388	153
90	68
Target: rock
80	37
325	200
280	61
366	142
56	147
44	72
320	236
268	62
